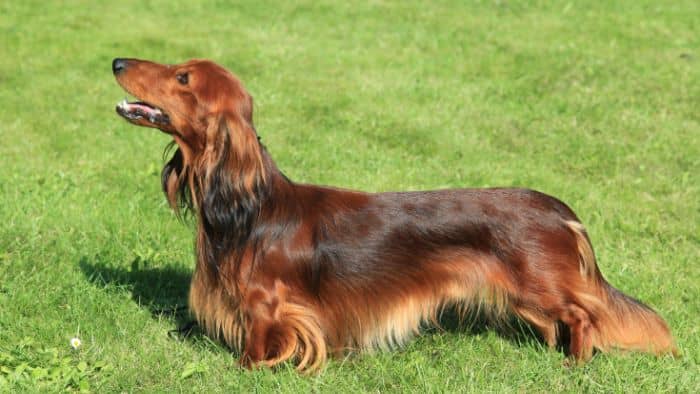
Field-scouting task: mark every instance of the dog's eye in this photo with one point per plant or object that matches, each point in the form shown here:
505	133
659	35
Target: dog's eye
182	78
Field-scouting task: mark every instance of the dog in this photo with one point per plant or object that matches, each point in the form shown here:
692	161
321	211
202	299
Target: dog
289	271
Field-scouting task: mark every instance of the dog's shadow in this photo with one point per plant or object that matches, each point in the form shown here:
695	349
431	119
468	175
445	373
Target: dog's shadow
509	327
161	290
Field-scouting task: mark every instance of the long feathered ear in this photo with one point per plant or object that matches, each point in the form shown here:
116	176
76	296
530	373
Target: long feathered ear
231	182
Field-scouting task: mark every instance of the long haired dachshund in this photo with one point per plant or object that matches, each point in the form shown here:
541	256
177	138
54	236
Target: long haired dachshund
289	271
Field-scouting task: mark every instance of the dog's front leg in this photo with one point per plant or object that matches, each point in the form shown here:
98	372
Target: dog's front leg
269	338
256	348
278	329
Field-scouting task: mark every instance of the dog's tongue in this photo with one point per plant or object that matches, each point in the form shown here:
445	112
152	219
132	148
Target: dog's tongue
140	106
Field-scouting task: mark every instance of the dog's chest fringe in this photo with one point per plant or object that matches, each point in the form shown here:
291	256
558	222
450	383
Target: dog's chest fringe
216	311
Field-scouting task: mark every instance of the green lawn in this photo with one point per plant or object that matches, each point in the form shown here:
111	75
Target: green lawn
598	104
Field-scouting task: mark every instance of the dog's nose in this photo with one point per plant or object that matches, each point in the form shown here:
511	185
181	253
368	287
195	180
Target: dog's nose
118	65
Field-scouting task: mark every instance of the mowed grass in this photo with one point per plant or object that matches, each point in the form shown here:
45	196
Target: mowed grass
596	103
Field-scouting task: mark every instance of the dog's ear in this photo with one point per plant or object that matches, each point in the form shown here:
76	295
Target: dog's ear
232	179
232	145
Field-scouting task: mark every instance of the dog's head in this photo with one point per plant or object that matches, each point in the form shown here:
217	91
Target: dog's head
188	100
209	114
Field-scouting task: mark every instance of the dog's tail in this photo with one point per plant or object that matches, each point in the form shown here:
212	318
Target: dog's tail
618	320
631	325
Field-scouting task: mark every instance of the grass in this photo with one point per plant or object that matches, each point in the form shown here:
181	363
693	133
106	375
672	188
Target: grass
594	102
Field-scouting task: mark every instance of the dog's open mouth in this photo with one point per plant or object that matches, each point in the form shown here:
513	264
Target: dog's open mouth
140	110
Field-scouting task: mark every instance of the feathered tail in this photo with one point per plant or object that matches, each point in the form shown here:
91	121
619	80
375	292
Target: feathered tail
618	321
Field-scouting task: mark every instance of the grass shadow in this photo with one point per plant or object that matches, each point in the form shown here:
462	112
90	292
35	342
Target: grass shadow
161	290
510	328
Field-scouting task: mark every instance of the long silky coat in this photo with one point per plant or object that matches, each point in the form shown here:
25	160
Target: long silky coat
294	271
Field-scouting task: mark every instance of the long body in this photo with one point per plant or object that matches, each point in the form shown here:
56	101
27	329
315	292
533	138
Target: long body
290	271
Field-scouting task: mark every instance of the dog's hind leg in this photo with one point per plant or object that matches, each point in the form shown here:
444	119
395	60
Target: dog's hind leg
581	332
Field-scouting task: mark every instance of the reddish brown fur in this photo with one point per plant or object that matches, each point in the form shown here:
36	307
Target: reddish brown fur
291	271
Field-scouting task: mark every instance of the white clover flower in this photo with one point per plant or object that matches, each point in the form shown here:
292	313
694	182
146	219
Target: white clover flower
75	343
